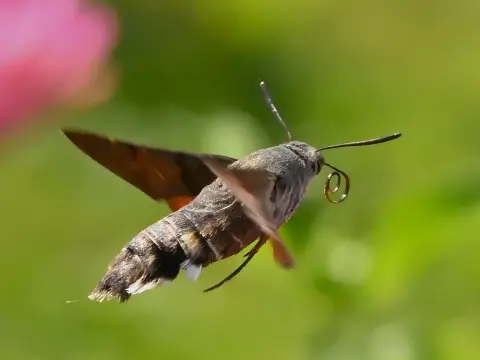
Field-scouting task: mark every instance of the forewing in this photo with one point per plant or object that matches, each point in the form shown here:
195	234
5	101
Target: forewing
253	187
173	176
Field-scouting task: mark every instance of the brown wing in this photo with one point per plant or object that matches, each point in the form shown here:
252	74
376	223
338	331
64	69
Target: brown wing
173	176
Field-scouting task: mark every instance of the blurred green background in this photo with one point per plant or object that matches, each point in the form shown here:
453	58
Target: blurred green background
391	274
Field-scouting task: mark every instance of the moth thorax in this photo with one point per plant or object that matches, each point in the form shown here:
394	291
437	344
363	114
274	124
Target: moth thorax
287	196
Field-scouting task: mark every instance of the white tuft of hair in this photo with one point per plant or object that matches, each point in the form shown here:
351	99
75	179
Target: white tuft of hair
140	286
192	271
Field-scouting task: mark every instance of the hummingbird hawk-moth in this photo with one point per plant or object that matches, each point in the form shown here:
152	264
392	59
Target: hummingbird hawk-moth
220	205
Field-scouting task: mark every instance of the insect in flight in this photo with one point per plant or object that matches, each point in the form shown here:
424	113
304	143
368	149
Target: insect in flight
220	205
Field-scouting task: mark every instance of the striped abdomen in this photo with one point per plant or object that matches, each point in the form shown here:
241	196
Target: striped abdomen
210	228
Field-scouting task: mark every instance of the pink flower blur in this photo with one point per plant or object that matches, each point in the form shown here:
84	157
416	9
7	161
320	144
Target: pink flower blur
49	49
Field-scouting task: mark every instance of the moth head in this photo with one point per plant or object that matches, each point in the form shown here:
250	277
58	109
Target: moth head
314	157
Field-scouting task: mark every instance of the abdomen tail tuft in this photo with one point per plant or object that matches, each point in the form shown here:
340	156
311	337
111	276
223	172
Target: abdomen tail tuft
140	266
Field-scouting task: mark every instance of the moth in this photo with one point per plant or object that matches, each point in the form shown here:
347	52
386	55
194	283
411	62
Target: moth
220	205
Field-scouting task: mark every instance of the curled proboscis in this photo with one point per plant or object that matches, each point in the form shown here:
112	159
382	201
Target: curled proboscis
327	189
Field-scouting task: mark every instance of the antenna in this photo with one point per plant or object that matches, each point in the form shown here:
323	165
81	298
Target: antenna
364	142
273	109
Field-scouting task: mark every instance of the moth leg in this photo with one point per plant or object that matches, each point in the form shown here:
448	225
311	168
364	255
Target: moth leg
249	255
278	255
255	249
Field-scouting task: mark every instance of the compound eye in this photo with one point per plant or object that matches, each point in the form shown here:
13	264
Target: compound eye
315	168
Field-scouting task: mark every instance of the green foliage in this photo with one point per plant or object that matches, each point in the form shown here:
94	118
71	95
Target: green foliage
391	274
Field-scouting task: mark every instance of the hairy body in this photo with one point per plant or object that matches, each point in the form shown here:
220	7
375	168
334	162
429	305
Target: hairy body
215	224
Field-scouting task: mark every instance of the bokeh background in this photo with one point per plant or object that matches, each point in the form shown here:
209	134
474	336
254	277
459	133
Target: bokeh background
390	274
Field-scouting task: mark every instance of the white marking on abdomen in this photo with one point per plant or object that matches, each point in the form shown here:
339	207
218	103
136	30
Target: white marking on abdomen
192	271
151	236
209	243
139	286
